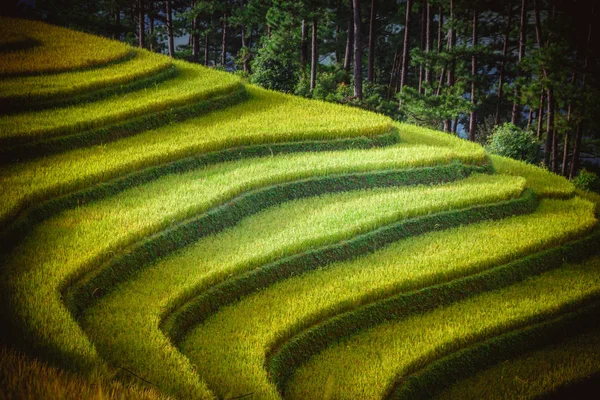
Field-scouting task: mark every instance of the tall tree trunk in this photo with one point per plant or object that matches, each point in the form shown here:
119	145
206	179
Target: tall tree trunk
303	45
577	145
554	141
224	42
398	72
393	74
405	49
565	159
439	49
516	108
550	140
314	56
370	75
538	23
575	163
427	43
540	115
117	33
337	45
451	43
141	23
349	38
422	40
529	118
440	30
441	81
357	51
245	64
151	20
502	64
338	56
447	125
450	76
170	28
195	40
473	117
206	47
549	128
538	32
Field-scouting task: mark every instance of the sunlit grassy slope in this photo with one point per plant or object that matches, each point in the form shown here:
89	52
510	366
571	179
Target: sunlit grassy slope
29	91
173	231
192	83
369	364
335	217
54	49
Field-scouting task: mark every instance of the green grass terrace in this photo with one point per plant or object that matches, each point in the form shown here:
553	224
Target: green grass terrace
170	231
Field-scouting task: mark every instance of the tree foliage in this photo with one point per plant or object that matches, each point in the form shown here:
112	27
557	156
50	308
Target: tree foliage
533	63
587	180
511	141
276	65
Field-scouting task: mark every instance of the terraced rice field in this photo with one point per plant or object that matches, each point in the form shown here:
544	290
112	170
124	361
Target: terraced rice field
173	232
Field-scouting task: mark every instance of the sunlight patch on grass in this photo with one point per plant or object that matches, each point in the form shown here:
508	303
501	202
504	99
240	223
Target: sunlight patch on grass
126	322
229	348
47	87
366	365
193	83
267	117
60	49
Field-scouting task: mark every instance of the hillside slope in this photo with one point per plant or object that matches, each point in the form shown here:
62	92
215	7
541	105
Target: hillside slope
170	230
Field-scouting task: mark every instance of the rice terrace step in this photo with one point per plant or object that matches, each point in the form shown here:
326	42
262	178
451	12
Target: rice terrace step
172	231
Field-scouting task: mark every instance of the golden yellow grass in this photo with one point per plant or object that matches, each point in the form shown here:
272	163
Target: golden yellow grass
59	49
23	377
126	322
41	87
229	349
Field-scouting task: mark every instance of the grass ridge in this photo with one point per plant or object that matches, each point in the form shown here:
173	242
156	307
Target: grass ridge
25	103
84	290
50	71
438	375
71	293
33	44
60	49
285	357
143	314
20	149
200	306
20	222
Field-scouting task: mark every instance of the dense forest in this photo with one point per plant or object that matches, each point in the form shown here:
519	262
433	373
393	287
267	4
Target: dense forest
466	67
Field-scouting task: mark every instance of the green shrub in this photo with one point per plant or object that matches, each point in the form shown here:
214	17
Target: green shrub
511	141
587	180
244	55
326	86
302	88
327	83
275	67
